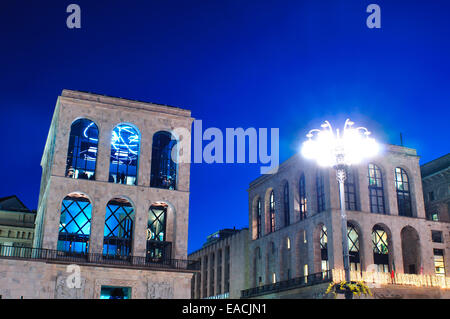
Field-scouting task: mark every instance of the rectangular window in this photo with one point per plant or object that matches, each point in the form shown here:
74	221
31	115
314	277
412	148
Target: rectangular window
350	190
226	285
320	192
110	292
205	277
219	272
436	236
439	262
199	284
211	276
431	196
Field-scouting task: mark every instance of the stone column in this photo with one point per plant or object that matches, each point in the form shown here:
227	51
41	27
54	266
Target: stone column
366	249
97	225
104	151
140	226
390	193
335	239
397	253
185	152
145	155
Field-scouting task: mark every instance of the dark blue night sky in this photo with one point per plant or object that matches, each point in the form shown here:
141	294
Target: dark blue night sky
242	63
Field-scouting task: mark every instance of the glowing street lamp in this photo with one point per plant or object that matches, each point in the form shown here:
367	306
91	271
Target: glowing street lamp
340	150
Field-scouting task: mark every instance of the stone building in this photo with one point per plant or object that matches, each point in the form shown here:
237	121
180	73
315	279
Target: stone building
16	223
295	245
113	201
224	265
436	188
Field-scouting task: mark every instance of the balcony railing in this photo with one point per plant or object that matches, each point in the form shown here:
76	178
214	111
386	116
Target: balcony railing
28	253
298	282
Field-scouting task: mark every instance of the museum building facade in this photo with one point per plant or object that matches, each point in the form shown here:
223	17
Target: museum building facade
113	206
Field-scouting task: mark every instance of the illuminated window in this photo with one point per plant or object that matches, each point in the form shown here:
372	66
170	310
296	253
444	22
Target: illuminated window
123	167
302	197
380	249
82	151
118	231
324	248
376	191
288	243
439	262
350	189
108	292
156	232
403	192
287	218
434	216
75	224
320	192
164	167
271	212
353	247
258	218
274	278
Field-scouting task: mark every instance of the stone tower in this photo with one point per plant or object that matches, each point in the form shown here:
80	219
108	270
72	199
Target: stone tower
113	192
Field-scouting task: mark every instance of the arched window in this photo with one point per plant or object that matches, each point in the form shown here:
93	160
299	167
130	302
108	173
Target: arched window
403	192
82	151
324	248
164	167
376	191
118	231
353	247
380	248
350	189
157	247
411	252
320	192
258	218
287	219
75	224
123	166
271	212
302	197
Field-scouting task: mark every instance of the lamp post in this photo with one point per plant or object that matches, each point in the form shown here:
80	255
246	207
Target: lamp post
340	150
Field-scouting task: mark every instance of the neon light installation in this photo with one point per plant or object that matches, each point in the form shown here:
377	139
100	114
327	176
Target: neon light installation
124	155
82	150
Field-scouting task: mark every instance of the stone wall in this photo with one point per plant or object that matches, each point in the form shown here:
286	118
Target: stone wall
41	280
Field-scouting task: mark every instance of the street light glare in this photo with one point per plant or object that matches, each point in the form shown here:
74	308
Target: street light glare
329	148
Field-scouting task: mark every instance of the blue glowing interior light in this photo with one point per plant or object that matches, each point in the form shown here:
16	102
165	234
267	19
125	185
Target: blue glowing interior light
125	142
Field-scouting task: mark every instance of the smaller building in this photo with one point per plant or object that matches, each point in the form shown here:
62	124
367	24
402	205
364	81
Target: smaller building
436	188
224	265
16	223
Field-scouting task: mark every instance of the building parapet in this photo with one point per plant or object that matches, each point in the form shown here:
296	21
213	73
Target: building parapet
136	262
384	278
298	282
